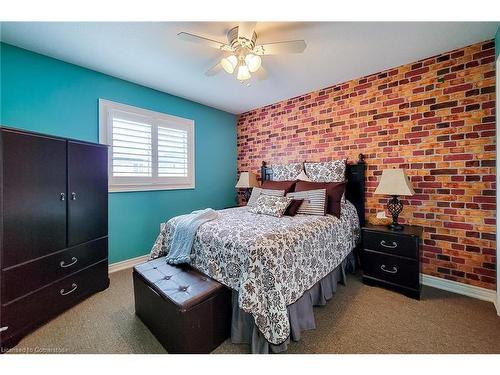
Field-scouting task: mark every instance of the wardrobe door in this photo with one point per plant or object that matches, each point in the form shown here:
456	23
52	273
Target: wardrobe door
87	192
34	196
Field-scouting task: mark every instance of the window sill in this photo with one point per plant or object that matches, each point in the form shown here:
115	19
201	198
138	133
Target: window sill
131	188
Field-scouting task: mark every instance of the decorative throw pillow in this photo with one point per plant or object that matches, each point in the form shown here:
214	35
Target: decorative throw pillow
271	205
287	186
293	207
257	192
334	192
314	201
303	177
286	172
330	171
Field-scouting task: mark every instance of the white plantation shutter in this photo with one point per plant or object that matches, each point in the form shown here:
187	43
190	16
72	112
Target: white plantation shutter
132	153
148	150
172	152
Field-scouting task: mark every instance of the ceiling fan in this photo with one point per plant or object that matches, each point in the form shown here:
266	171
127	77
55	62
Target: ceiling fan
241	54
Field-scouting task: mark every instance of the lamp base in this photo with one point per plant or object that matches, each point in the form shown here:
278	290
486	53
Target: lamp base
395	206
395	227
247	193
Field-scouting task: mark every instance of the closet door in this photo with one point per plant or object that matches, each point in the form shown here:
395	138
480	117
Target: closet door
34	196
87	192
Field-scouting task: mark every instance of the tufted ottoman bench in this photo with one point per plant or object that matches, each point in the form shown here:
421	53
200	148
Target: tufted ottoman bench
186	311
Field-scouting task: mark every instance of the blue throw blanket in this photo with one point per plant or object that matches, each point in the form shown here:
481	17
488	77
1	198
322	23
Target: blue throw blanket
183	237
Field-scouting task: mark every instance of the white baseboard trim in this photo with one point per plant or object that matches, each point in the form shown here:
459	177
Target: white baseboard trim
128	263
460	288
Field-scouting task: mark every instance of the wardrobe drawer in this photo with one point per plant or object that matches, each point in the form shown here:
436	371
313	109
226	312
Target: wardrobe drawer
392	269
406	246
28	277
21	315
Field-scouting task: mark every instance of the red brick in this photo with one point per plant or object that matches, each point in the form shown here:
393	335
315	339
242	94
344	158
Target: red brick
458	225
393	102
451	90
444	171
417	134
458	157
417	72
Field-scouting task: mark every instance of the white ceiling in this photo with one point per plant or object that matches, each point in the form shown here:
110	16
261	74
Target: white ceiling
151	55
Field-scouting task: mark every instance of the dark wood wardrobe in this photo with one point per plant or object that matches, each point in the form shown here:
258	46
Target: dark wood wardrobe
53	228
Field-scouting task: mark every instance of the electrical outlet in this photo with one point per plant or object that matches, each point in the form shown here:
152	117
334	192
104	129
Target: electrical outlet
381	215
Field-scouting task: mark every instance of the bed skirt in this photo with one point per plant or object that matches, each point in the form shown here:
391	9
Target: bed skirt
300	313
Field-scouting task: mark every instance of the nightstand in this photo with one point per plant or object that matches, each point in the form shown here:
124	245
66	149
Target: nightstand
392	258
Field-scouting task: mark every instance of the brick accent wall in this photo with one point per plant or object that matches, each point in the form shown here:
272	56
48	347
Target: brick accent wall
435	118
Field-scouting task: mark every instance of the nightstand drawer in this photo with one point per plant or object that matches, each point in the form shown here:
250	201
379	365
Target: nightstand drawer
406	246
393	269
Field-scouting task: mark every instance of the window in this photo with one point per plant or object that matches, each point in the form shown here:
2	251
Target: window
148	150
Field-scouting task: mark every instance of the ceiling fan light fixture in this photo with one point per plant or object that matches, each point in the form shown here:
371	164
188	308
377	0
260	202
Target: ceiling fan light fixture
253	62
229	63
243	73
242	55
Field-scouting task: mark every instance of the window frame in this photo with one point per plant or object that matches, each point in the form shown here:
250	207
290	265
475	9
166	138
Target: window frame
156	119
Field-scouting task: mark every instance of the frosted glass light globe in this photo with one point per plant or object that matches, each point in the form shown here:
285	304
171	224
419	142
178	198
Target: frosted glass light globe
253	62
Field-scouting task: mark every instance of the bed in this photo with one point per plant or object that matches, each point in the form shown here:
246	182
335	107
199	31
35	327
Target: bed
278	268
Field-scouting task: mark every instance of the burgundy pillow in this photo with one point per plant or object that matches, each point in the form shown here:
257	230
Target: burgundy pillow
293	207
279	185
334	192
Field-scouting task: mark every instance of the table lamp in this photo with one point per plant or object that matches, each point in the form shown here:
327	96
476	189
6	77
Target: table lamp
394	182
247	181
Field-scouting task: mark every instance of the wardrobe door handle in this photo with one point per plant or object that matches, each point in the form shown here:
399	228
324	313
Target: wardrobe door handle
64	265
62	196
73	196
73	288
394	269
393	246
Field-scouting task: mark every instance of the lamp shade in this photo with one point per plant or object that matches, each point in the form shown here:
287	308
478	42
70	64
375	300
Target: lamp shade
247	180
394	182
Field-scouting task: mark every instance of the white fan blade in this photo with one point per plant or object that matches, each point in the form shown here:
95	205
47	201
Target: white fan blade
292	46
260	74
214	70
246	29
205	41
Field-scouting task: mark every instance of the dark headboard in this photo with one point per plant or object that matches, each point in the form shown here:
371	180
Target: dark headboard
355	189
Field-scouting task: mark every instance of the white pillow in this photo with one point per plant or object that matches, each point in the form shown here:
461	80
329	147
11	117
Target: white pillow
303	177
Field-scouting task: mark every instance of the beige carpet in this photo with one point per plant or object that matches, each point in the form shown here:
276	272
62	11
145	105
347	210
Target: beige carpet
359	319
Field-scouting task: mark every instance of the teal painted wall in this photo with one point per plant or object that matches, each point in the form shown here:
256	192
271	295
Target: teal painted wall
42	94
497	42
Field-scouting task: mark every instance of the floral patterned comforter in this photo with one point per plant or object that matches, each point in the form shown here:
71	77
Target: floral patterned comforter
270	261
